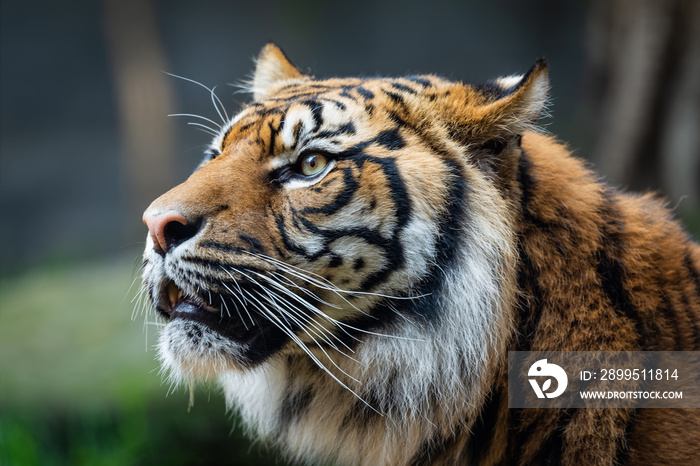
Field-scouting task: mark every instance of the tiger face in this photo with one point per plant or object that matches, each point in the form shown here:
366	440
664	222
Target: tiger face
314	205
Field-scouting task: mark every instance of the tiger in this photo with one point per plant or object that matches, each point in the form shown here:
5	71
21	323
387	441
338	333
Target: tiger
354	259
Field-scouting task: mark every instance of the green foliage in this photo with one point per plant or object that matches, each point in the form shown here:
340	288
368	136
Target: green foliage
160	432
79	384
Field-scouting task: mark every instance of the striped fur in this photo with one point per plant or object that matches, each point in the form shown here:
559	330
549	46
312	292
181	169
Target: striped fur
363	315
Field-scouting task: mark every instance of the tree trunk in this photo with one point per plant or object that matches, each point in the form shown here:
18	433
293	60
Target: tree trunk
644	70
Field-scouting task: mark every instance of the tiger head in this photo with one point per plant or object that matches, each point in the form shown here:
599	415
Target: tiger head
332	215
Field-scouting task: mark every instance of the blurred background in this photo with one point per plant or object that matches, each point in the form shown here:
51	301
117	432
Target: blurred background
86	144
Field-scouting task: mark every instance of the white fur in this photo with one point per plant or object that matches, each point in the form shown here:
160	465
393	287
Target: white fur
508	82
294	116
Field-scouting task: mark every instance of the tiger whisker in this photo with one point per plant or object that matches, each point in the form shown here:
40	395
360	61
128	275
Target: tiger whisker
211	91
313	309
342	325
223	302
204	128
140	302
192	115
303	276
337	322
257	283
237	310
136	277
235	282
299	341
300	273
304	290
333	286
214	96
313	357
301	319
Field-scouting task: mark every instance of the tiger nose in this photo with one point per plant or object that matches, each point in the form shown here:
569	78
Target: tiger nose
169	229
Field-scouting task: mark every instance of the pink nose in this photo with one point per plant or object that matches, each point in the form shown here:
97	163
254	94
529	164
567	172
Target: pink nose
168	229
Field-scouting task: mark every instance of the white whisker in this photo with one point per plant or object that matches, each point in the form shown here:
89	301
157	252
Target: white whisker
311	321
192	115
313	357
204	128
214	96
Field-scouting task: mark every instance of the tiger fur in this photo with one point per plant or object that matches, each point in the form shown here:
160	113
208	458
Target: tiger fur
363	314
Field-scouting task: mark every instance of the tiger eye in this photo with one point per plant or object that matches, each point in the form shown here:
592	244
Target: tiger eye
313	164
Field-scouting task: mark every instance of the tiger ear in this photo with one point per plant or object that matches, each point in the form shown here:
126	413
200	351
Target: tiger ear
272	66
505	107
525	97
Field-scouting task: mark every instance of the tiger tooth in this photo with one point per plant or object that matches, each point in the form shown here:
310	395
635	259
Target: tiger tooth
173	293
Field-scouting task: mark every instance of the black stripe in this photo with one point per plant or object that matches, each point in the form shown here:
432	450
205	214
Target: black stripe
397	98
491	90
359	264
336	261
695	277
294	405
396	118
550	452
317	113
402	208
694	274
273	136
254	243
367	94
611	271
420	80
484	429
450	232
211	244
311	94
296	132
528	185
271	340
428	306
671	315
346	94
345	195
340	105
391	139
372	237
693	317
288	244
531	297
623	451
529	300
429	451
402	87
347	128
216	266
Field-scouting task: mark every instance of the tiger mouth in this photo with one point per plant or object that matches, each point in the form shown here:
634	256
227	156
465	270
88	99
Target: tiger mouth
174	303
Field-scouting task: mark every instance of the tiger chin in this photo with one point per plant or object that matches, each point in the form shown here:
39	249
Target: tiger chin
354	258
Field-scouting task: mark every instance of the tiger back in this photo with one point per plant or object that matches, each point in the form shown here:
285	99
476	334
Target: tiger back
354	259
